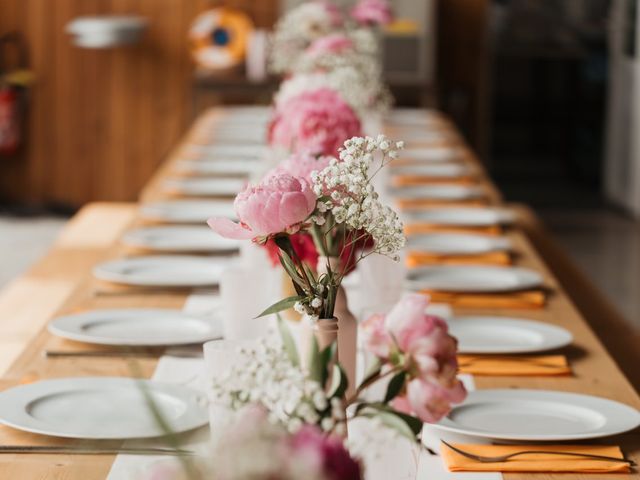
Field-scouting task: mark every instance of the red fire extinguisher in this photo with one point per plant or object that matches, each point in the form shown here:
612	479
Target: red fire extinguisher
13	85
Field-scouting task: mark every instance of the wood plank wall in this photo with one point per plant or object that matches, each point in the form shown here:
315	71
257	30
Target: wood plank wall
100	122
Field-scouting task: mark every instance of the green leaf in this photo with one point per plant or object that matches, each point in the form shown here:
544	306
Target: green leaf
283	304
412	425
395	386
288	342
291	270
339	382
326	356
315	361
374	371
392	421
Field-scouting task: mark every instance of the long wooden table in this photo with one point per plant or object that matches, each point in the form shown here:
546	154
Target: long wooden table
62	283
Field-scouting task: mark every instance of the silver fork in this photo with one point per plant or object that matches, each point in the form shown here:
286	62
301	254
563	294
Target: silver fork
503	458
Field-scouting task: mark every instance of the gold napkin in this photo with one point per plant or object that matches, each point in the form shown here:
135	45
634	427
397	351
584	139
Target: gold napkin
413	180
528	299
534	462
418	228
416	259
513	366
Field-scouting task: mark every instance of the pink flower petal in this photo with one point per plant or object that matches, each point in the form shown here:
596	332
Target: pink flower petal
229	229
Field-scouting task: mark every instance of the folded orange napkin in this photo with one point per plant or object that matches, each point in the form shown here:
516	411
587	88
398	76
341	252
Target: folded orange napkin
534	462
528	299
413	203
415	259
513	366
417	228
413	180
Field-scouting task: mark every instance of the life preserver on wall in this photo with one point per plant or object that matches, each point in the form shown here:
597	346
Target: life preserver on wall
219	38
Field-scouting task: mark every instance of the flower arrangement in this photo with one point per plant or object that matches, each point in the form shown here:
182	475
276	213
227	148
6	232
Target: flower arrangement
316	121
338	207
414	355
362	92
257	449
298	28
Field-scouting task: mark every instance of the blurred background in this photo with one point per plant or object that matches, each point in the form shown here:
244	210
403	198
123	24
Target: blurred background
543	90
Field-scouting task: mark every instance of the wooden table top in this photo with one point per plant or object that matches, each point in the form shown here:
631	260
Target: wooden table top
62	283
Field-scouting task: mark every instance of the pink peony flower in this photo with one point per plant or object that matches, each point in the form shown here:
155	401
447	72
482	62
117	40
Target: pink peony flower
279	204
315	121
327	452
334	43
428	400
376	336
372	12
428	353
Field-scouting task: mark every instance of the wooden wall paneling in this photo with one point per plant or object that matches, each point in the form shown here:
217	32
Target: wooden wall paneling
100	122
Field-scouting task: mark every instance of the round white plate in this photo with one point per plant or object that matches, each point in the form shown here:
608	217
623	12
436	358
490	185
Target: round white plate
226	187
538	415
439	192
473	278
218	167
467	217
99	408
457	243
433	154
187	211
185	238
136	326
506	335
164	270
438	170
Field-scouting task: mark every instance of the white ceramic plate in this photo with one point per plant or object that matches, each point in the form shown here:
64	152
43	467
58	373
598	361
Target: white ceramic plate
439	192
184	238
136	326
538	415
463	217
187	211
473	278
218	167
164	270
506	335
99	408
457	243
439	170
434	154
221	187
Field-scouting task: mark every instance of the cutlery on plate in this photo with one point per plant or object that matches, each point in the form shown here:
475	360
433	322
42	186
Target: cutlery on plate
81	450
142	291
124	353
504	458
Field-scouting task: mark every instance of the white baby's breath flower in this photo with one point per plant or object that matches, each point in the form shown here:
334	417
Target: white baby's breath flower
354	200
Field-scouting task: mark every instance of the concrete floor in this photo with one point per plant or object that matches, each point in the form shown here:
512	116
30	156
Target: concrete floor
603	243
23	241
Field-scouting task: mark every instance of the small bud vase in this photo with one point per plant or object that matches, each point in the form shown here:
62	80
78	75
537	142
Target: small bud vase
347	332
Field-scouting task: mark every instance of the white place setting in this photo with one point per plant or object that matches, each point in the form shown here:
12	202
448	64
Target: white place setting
186	211
179	239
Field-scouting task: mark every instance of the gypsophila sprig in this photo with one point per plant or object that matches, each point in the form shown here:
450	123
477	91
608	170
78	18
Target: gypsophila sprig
345	190
268	377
